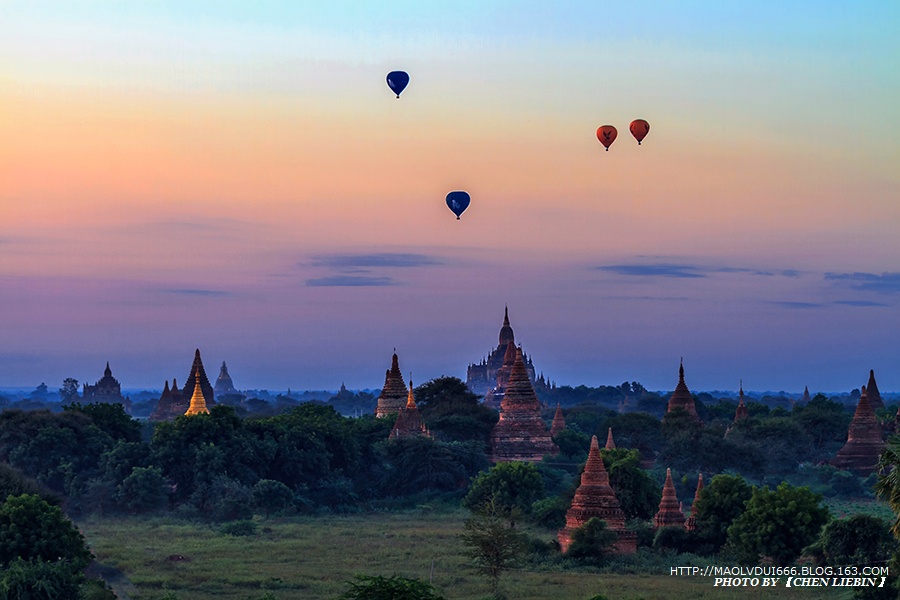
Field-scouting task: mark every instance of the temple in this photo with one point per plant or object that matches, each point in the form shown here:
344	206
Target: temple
682	398
691	523
171	404
224	384
805	398
521	433
669	514
393	395
872	390
595	497
197	371
864	444
106	390
610	442
741	412
482	378
198	401
409	421
559	422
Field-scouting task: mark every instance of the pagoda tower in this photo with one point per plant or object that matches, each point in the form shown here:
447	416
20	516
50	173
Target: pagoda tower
804	400
198	401
874	395
596	498
610	442
691	523
681	397
481	378
393	395
559	422
669	514
864	444
741	412
171	404
521	433
224	384
409	421
197	371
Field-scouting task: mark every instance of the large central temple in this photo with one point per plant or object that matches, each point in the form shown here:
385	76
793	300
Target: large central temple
490	377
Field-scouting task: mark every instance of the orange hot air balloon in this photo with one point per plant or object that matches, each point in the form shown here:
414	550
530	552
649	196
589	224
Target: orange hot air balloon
639	129
607	135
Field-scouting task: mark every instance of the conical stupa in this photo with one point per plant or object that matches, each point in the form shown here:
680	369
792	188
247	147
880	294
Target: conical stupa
198	402
669	514
864	444
741	412
596	498
691	523
682	398
610	442
559	422
393	394
409	421
198	372
872	390
521	433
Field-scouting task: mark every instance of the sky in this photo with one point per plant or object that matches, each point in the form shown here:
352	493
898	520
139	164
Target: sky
237	177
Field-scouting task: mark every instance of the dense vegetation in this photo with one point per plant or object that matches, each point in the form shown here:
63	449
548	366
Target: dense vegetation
766	471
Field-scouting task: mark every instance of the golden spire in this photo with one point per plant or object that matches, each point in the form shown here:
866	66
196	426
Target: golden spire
198	402
410	401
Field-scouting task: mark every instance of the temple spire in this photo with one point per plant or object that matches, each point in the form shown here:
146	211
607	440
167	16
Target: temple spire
669	514
559	422
610	442
198	402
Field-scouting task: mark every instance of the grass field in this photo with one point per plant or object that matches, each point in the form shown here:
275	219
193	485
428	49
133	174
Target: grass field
314	557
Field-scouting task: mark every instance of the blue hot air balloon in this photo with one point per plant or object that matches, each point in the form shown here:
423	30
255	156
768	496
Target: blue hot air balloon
458	202
397	81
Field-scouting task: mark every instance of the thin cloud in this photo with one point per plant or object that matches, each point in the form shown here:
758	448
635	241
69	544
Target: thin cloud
387	259
350	281
798	305
859	303
886	283
656	270
196	292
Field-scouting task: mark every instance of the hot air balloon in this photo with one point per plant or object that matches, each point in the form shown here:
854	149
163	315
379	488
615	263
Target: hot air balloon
639	129
458	202
397	81
607	135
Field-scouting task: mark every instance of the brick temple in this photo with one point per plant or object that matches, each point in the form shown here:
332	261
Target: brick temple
669	514
393	394
864	444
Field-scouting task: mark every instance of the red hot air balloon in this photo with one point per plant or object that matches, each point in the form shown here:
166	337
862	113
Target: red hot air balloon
639	129
607	135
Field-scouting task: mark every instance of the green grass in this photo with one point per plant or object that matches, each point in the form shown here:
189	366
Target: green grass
314	557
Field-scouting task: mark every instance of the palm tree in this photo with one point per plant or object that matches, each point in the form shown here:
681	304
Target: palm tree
888	485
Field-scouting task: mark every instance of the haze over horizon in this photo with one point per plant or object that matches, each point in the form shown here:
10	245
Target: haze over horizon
238	178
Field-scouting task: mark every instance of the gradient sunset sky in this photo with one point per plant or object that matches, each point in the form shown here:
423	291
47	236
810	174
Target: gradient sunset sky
237	177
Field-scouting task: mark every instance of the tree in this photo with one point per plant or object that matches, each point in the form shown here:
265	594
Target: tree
40	580
592	541
32	529
888	485
721	502
111	419
637	492
272	496
144	490
492	540
505	487
453	412
389	588
69	390
778	523
859	540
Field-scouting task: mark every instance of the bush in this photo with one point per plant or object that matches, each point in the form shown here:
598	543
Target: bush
239	528
389	588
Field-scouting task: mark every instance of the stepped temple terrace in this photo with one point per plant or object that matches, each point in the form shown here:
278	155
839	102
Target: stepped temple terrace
521	433
596	498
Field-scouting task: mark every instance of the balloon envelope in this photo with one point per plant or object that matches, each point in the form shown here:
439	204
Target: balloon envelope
458	202
639	129
397	81
607	135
